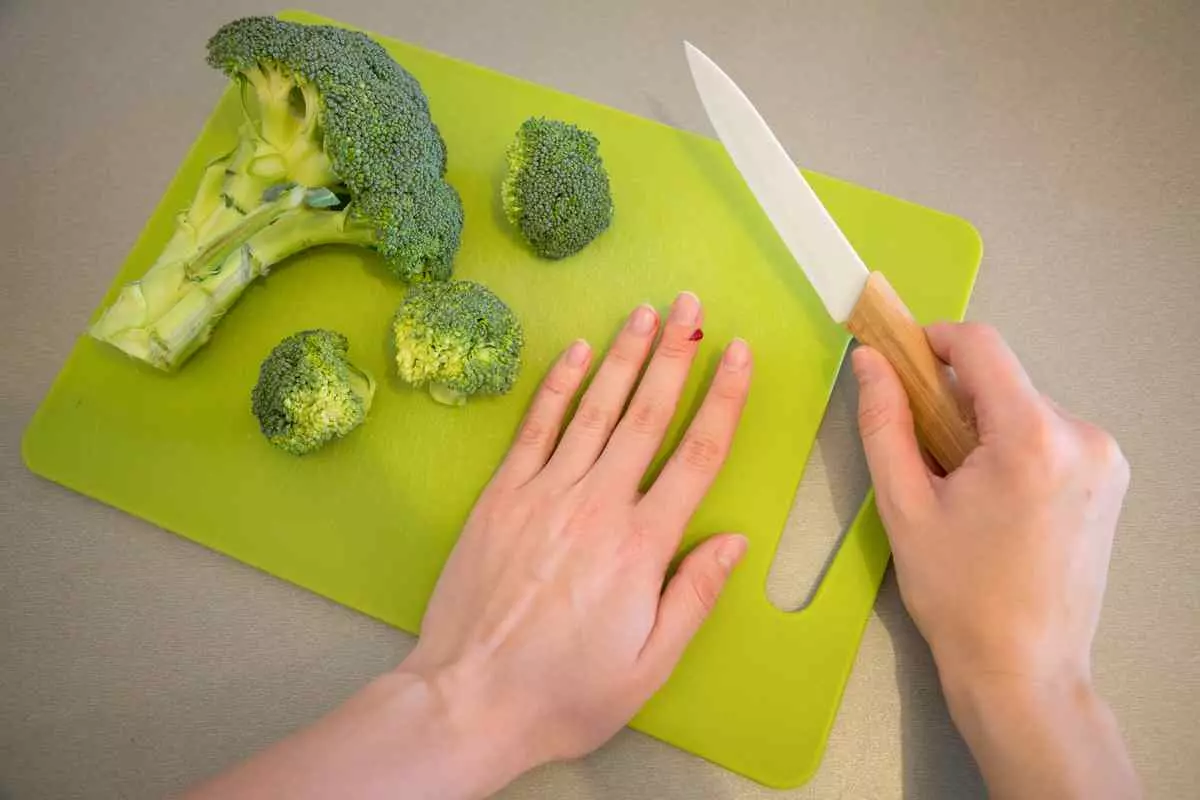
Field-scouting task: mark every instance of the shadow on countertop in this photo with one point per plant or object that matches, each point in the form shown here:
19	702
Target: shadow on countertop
937	764
669	774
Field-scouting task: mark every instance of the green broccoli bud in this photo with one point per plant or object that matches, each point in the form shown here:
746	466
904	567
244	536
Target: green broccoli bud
556	192
308	393
336	147
457	338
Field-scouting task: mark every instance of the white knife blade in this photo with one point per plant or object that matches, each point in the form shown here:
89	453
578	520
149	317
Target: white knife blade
862	301
820	248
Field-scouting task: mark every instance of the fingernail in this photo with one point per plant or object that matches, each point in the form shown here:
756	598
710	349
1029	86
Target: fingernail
686	309
731	551
737	354
577	353
642	320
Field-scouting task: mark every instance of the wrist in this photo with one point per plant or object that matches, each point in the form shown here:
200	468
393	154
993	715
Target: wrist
983	695
1023	731
453	742
474	736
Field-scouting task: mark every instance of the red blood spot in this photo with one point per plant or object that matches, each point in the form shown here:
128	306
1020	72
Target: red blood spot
696	336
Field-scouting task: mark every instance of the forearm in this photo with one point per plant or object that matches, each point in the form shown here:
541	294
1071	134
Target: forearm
1041	741
397	737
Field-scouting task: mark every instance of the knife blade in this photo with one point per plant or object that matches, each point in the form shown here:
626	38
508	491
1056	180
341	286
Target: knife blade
860	299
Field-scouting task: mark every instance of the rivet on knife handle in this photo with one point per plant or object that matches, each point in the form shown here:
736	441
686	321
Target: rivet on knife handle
882	321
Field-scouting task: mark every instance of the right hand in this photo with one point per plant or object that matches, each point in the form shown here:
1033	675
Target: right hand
1002	563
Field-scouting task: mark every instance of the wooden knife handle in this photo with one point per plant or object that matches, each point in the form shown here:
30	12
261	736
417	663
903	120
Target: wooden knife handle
882	321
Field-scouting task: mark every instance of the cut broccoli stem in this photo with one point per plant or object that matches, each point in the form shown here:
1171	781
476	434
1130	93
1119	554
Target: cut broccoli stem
363	385
168	314
188	285
447	396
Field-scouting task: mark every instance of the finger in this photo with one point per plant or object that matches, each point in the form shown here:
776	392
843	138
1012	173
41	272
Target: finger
686	603
641	430
539	430
604	400
899	473
694	465
988	373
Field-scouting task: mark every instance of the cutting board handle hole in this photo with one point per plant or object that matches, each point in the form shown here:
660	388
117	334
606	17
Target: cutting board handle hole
832	490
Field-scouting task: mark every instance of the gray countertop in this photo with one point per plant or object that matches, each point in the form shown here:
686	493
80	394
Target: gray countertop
133	662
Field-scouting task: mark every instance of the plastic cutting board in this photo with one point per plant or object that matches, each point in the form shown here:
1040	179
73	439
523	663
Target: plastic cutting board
369	521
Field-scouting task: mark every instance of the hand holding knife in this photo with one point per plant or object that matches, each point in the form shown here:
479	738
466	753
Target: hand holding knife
863	301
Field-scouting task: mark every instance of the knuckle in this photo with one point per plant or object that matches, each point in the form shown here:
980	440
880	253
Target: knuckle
873	417
1124	472
587	513
637	545
1039	433
556	385
704	590
674	347
593	416
729	390
701	452
647	416
1104	450
625	354
535	432
978	334
1045	456
903	518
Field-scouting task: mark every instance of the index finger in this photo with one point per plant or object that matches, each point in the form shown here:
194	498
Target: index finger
988	372
694	465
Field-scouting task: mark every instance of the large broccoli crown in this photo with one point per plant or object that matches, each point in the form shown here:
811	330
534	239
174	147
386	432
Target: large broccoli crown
308	393
458	338
556	192
378	135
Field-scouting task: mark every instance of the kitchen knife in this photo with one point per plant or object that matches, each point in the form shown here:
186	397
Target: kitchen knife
861	300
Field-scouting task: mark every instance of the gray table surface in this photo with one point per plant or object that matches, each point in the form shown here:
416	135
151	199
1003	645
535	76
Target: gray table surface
133	662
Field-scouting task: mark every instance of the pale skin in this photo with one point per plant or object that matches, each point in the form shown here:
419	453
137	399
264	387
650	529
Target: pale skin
553	621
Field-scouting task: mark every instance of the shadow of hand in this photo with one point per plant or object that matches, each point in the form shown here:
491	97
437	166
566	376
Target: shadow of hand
937	764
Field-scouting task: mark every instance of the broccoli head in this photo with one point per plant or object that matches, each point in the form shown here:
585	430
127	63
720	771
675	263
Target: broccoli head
308	393
336	146
458	338
556	192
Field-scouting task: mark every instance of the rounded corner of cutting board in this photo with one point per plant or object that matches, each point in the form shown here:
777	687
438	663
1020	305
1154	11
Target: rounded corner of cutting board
973	240
30	454
36	452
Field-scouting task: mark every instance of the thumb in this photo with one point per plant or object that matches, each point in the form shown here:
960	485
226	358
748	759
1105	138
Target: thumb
898	471
687	601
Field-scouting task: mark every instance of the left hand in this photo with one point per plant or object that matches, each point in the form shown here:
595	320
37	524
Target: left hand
550	625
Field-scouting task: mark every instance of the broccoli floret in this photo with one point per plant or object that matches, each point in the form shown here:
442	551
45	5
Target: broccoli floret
556	192
458	338
336	147
308	393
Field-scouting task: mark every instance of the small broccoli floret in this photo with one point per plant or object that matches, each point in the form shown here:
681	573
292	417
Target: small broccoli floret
308	393
459	339
336	147
556	192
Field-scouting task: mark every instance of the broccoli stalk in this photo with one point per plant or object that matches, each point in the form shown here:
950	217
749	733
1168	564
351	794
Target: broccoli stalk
336	147
170	312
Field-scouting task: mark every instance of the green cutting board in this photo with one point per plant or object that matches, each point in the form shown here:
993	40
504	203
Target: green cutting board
369	521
